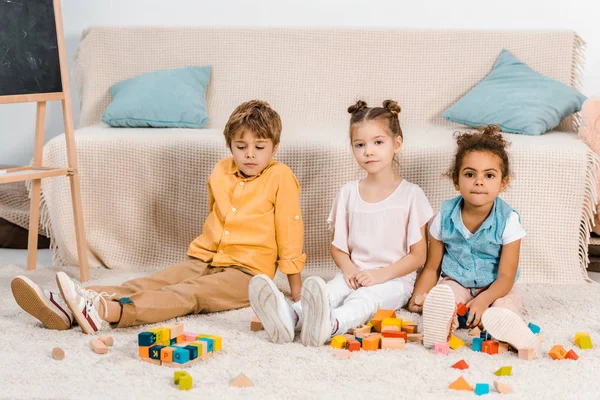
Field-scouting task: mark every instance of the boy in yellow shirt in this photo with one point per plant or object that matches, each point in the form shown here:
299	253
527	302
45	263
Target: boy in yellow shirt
254	226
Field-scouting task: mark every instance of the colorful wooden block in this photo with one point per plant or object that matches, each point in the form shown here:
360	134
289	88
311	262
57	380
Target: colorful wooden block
379	316
441	348
178	375
585	342
462	322
462	364
241	381
217	341
571	355
166	354
193	351
485	336
180	339
410	328
371	342
489	347
461	309
557	352
455	342
155	351
476	344
201	346
174	330
362	331
460	384
475	332
185	382
353	345
481	389
210	343
502	388
526	354
395	322
189	337
504	371
144	351
392	343
158	334
578	335
392	334
181	356
534	328
339	342
146	338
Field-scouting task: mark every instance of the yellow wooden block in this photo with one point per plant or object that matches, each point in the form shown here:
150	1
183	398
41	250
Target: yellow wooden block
339	342
455	342
578	335
166	335
202	347
379	316
397	322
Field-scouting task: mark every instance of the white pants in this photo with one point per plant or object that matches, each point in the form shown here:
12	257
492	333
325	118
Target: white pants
353	308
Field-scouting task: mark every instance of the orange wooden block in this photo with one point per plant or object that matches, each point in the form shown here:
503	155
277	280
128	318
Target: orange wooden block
461	309
256	325
166	354
144	351
489	347
392	334
353	345
392	343
557	352
98	346
526	354
462	364
180	339
409	328
460	384
379	317
371	342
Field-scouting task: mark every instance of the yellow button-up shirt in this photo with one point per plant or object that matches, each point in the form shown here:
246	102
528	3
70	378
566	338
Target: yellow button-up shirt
253	222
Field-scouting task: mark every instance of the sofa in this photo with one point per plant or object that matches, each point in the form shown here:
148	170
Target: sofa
144	190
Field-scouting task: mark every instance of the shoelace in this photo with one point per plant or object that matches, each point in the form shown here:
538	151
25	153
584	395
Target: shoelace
92	297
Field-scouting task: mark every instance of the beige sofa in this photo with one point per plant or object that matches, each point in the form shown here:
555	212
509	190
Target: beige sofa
144	191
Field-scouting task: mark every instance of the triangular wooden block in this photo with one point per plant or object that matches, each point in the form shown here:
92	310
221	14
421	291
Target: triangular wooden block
504	371
241	381
460	384
462	364
475	332
502	388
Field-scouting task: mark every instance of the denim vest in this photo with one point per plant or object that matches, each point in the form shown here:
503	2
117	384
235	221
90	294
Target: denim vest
473	262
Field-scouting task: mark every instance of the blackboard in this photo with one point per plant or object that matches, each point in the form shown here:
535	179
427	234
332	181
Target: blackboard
29	61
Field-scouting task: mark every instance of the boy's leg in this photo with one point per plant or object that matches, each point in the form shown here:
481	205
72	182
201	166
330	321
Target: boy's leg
362	304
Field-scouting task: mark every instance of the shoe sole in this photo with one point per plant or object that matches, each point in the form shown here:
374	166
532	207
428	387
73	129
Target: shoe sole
263	300
315	308
28	297
63	279
506	326
438	312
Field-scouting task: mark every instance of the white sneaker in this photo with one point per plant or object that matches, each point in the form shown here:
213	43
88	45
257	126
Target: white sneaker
506	326
273	310
83	303
318	321
438	314
42	304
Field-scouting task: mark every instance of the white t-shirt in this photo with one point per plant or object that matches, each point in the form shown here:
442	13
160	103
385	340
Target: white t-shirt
512	232
379	234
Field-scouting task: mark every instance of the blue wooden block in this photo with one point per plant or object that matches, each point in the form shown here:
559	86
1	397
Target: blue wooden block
462	322
193	351
155	352
360	340
534	328
485	335
210	344
146	338
181	356
173	341
482	388
477	344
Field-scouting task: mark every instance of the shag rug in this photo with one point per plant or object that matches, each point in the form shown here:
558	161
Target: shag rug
290	371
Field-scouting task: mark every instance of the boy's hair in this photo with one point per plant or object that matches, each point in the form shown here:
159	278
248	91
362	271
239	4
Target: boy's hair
486	139
256	116
388	113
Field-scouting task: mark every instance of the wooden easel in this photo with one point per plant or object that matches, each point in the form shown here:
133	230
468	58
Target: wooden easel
36	172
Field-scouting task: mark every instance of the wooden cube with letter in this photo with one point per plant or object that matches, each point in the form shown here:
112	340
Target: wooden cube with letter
34	69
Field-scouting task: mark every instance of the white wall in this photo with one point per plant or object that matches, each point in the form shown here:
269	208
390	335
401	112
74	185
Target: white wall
17	121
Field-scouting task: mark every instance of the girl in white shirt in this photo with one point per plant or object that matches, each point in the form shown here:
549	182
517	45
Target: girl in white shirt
378	227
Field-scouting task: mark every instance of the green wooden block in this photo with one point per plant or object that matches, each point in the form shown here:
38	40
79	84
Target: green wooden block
177	376
504	371
585	342
185	382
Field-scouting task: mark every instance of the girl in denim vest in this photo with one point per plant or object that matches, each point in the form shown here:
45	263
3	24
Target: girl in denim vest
475	244
378	226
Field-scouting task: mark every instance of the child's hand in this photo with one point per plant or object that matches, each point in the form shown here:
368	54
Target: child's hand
413	306
370	277
350	278
476	309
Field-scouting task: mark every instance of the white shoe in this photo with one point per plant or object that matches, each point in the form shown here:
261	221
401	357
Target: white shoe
506	326
42	304
83	303
318	321
273	310
438	314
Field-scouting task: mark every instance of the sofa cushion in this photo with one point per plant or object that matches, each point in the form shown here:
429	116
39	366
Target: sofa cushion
517	98
173	98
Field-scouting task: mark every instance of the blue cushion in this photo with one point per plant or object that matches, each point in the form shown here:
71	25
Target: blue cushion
517	98
173	98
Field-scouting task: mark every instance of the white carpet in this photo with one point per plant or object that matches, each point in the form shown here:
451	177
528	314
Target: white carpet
290	371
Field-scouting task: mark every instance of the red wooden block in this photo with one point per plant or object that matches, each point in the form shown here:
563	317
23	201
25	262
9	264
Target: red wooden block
571	355
490	347
462	364
353	345
461	309
391	334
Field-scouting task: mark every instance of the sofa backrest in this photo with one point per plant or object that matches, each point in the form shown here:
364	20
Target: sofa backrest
310	76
